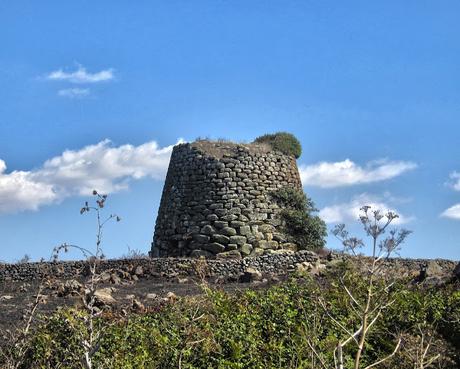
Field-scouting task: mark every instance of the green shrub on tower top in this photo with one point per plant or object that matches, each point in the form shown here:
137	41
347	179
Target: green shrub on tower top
285	142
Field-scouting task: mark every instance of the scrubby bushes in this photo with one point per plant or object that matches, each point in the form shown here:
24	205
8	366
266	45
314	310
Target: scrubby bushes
285	142
275	328
308	231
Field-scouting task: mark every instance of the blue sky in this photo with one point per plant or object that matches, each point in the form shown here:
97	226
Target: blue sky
95	93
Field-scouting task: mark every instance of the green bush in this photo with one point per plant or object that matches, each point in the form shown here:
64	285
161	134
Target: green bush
285	142
308	231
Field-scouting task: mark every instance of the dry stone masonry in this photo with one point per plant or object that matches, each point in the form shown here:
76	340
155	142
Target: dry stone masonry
216	201
166	268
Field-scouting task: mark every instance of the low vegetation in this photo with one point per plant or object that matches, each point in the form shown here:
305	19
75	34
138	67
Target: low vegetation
300	224
285	142
285	326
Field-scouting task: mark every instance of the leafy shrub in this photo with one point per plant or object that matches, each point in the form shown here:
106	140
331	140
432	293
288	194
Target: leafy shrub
285	142
308	231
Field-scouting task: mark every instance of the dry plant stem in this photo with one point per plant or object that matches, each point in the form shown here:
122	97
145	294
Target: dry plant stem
374	304
365	316
91	342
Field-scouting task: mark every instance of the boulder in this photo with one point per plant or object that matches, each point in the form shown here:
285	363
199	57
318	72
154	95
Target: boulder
139	271
232	246
246	249
228	231
220	238
239	240
250	275
245	230
433	269
214	247
231	254
208	230
104	296
200	238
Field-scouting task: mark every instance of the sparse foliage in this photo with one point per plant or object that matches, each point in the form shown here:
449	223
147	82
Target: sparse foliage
91	336
370	307
301	226
285	142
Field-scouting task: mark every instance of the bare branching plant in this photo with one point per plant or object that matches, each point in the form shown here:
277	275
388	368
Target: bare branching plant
90	339
368	308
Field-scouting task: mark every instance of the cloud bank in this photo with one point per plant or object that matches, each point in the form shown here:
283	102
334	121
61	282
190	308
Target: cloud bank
350	211
453	212
77	172
455	180
81	76
73	93
348	173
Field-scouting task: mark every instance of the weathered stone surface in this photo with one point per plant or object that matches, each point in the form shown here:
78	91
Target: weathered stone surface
262	244
245	230
257	252
220	238
239	240
251	275
232	254
207	230
266	261
214	247
104	296
201	238
200	253
211	187
220	224
246	249
228	231
289	246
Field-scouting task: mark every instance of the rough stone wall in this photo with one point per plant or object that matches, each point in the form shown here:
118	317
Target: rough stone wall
216	200
165	268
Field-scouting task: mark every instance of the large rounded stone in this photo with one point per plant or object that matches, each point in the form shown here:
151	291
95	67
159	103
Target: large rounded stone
220	238
228	231
200	238
208	230
246	249
220	224
239	240
245	230
214	247
232	254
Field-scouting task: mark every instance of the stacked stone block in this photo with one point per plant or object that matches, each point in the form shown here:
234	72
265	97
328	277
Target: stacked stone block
216	201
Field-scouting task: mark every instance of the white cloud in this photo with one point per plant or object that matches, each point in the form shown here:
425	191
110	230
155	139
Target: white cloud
73	93
455	183
453	212
18	191
350	211
81	75
348	173
78	172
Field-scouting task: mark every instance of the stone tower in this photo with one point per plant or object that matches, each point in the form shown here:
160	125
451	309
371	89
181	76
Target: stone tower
216	200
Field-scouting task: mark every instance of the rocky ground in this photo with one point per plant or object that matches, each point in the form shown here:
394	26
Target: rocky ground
137	288
118	294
